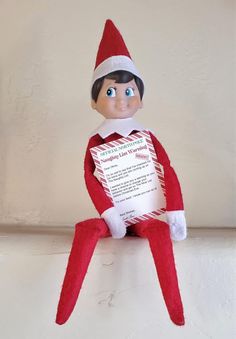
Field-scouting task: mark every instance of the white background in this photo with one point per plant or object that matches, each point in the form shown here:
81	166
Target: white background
185	52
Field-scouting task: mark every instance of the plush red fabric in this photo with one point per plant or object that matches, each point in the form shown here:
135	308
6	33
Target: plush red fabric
111	44
157	232
86	236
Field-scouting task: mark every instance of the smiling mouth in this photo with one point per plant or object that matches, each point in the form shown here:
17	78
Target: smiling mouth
122	109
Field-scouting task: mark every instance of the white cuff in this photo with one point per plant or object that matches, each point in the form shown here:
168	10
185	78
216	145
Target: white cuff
177	223
114	222
107	213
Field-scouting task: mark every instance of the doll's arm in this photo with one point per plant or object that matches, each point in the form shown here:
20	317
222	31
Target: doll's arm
174	201
101	201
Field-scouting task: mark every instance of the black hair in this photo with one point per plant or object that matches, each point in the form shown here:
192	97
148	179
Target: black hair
121	77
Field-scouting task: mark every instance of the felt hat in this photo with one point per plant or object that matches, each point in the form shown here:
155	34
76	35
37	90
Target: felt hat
112	54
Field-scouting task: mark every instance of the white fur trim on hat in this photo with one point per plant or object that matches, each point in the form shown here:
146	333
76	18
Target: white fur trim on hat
115	63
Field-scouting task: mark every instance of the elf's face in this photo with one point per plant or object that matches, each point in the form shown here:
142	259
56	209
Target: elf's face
118	100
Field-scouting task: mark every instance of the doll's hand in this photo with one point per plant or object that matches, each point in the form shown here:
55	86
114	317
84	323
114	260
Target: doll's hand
114	222
177	223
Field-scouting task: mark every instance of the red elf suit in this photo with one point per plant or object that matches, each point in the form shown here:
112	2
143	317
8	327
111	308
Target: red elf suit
113	56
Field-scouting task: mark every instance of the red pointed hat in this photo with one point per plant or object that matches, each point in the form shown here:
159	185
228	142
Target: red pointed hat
112	54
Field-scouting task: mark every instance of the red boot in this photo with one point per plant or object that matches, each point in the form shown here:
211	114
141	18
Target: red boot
86	237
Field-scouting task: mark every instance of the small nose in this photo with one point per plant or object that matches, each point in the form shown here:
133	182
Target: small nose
121	103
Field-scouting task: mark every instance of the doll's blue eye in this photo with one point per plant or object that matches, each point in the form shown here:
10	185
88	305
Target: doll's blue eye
111	92
129	92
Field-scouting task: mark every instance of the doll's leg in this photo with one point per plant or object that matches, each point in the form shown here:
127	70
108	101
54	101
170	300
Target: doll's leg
158	235
86	236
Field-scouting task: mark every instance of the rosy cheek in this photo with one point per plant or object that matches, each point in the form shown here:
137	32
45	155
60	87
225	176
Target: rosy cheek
105	102
134	101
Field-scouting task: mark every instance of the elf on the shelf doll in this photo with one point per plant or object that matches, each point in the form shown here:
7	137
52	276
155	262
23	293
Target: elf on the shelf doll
117	91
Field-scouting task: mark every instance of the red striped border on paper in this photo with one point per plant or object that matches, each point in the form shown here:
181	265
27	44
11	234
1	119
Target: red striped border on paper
121	141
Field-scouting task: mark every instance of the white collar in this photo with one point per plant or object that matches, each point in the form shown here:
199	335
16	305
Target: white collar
121	126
